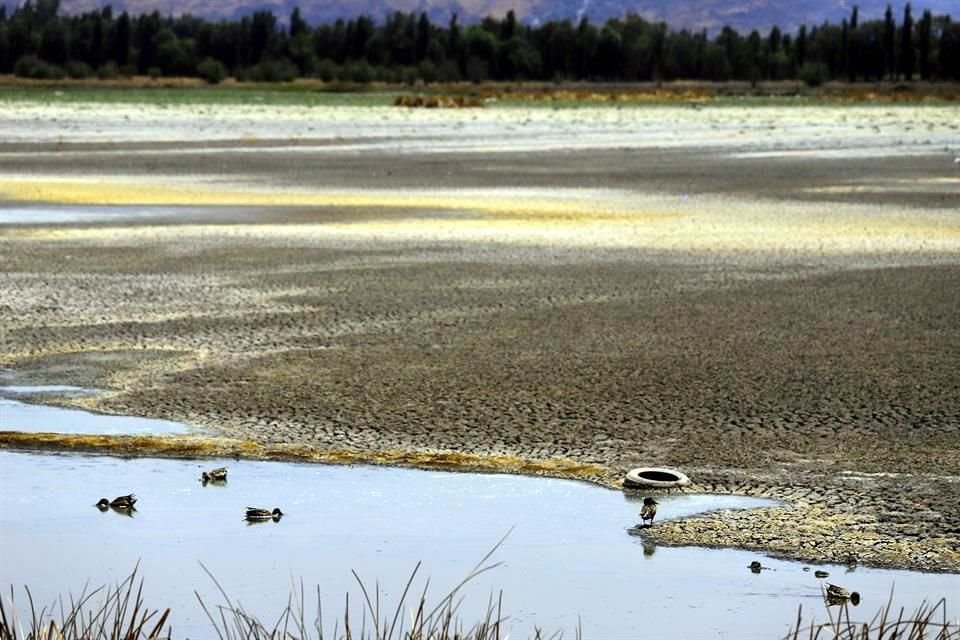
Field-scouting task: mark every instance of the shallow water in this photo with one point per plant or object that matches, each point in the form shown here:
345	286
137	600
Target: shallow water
16	415
63	214
568	556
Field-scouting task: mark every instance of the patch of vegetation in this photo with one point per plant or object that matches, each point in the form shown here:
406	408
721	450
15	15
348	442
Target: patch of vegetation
227	93
122	616
926	622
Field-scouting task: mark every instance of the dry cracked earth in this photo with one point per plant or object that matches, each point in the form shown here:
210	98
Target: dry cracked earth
770	322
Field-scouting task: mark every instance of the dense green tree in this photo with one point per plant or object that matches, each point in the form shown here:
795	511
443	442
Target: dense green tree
263	36
146	29
949	50
889	44
852	53
423	39
298	26
53	43
36	41
5	63
907	53
800	48
121	40
923	43
586	48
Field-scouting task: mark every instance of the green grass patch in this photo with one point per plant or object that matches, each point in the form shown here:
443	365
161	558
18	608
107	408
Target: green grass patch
254	94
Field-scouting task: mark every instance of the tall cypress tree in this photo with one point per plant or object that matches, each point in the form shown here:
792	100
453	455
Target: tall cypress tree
907	54
121	40
800	48
853	56
889	44
925	27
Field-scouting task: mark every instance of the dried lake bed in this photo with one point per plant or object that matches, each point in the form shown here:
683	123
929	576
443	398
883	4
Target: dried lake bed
762	296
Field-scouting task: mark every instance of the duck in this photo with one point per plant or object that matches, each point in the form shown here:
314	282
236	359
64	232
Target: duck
120	502
256	514
216	475
838	595
649	511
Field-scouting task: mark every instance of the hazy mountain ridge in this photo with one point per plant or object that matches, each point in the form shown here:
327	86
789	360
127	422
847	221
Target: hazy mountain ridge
679	14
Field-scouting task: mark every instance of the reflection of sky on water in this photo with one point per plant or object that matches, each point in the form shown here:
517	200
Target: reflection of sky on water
16	415
61	214
568	556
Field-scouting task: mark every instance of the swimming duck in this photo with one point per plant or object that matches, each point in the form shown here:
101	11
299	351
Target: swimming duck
649	511
255	514
838	595
216	475
121	502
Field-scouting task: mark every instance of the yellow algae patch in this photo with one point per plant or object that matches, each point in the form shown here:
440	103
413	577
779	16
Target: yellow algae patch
190	446
127	445
134	192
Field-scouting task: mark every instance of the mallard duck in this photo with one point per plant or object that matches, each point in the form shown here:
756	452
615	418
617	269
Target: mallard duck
121	502
649	511
256	514
837	595
216	475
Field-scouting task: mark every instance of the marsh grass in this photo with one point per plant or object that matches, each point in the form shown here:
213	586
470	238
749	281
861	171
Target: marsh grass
926	623
122	616
114	613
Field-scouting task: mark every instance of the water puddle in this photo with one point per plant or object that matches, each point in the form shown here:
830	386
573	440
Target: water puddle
567	561
70	214
17	415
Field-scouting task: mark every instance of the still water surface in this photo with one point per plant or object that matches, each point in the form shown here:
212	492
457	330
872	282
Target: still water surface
16	415
568	559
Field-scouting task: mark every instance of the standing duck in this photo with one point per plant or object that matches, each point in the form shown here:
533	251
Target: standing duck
648	512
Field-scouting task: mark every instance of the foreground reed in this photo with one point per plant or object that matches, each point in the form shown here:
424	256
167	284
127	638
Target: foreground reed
122	616
926	623
439	622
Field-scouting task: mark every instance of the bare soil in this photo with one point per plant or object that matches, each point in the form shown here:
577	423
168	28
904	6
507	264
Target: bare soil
827	379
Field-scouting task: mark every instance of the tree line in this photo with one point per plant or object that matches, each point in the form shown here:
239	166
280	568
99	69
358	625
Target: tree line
36	41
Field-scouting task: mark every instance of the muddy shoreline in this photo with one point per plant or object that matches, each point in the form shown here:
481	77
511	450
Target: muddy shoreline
780	327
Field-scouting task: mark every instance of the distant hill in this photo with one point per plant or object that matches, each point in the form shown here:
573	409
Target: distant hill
689	14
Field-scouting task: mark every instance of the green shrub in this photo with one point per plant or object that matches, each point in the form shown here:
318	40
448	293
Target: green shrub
154	72
428	72
78	70
108	71
449	72
212	70
30	66
327	70
814	74
281	70
358	71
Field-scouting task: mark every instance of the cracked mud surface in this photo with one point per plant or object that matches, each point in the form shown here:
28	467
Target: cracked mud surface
758	324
